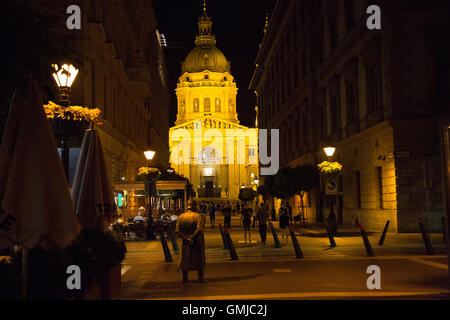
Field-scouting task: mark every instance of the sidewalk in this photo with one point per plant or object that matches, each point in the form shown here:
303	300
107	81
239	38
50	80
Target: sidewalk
324	272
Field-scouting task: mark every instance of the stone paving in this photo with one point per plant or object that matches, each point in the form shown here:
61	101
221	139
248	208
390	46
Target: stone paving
260	267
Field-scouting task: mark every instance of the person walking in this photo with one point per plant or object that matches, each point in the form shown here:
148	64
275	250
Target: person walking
283	217
289	209
227	215
262	215
190	227
273	214
254	211
212	215
246	220
150	230
203	207
332	225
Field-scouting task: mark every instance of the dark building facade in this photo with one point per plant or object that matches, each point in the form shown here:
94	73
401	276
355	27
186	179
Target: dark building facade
123	73
322	77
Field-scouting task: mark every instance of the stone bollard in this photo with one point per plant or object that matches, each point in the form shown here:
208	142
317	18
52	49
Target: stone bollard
298	250
224	239
383	236
426	239
173	238
275	236
366	241
233	253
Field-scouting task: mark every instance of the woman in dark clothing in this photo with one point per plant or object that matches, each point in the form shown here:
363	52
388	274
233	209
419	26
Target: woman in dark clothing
246	222
150	228
283	215
212	215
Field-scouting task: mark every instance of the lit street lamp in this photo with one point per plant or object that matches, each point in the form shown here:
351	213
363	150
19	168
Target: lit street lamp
149	155
64	77
329	151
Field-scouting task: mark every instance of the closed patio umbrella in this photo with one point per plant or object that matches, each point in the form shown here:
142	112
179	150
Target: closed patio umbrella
34	194
91	191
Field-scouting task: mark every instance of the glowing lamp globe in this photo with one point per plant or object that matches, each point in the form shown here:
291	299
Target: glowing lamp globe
329	151
149	154
65	75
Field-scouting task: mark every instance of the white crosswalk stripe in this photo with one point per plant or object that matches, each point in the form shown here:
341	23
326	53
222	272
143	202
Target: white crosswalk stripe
250	252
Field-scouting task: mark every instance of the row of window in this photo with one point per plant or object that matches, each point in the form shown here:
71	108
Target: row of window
207	105
206	77
291	63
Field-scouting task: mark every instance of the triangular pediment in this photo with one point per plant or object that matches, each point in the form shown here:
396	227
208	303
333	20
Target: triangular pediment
210	122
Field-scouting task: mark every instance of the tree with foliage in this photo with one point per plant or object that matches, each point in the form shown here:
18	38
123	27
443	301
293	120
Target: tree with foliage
285	183
247	194
262	190
306	177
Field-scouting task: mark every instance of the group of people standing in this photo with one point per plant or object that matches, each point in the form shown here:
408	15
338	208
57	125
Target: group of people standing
211	208
260	216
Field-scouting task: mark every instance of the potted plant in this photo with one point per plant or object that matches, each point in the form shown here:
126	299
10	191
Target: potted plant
70	123
330	170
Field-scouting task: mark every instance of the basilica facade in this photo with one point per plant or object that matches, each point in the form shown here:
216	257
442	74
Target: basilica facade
207	144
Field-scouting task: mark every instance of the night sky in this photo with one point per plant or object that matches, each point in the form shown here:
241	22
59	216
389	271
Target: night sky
238	26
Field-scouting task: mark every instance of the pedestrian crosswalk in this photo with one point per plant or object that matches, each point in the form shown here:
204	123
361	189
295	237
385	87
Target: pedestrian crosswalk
252	252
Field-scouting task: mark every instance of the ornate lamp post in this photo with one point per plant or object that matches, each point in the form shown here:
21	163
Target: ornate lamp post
149	155
329	152
64	77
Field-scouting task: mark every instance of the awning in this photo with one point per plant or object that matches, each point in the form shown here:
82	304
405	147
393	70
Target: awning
160	185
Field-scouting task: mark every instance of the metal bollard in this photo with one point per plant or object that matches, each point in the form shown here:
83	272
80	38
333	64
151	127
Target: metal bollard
383	236
166	250
233	254
275	236
174	239
426	239
366	241
298	250
224	240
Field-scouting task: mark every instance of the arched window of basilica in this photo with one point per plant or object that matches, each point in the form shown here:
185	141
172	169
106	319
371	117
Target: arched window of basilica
207	105
218	105
196	105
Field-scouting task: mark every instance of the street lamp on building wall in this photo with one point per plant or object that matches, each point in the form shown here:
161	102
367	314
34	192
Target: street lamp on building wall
64	77
329	151
149	155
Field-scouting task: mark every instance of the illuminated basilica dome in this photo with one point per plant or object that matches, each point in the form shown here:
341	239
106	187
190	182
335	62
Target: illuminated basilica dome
205	56
206	94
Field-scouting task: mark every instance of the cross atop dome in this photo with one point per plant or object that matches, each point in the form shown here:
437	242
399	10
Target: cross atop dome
205	36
